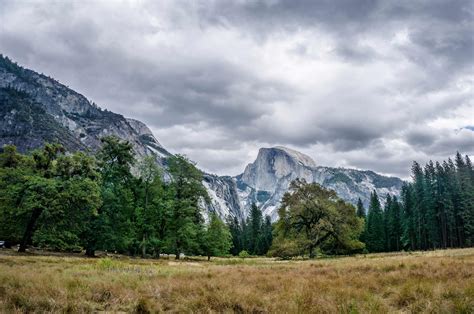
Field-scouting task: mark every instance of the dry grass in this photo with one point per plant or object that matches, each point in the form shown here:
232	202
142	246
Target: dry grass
440	282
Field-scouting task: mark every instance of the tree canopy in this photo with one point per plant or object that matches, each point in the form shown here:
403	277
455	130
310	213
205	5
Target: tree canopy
311	218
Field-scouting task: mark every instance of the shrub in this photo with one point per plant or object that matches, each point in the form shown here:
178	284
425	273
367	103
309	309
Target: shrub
244	254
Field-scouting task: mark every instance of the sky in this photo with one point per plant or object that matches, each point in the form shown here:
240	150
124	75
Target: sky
362	84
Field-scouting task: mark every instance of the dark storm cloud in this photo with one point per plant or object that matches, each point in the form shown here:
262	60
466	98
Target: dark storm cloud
445	143
350	19
368	84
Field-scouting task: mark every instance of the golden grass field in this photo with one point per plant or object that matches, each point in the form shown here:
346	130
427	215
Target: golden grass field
434	282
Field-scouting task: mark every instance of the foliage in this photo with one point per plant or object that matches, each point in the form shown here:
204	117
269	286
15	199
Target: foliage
436	210
186	223
244	254
375	233
110	202
253	235
217	238
70	202
45	197
312	218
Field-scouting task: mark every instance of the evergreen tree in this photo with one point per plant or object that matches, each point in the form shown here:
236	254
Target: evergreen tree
237	235
408	224
266	236
466	205
360	209
362	214
375	236
255	229
387	213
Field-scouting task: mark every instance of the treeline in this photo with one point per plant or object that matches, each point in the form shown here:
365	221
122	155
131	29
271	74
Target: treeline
110	202
436	210
72	202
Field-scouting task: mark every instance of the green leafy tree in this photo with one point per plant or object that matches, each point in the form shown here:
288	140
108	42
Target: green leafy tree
111	229
45	197
217	238
185	220
151	205
312	217
76	200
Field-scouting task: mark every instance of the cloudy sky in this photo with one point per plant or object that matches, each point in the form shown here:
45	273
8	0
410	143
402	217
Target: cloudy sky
365	84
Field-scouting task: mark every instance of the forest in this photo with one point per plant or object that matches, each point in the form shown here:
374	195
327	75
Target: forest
435	210
110	202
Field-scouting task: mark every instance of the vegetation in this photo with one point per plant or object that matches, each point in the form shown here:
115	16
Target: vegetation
254	235
313	218
70	202
110	202
436	210
419	282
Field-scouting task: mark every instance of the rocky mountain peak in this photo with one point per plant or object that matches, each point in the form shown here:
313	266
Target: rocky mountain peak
303	159
274	164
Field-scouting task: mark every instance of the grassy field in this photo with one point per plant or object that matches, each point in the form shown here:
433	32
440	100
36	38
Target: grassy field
439	281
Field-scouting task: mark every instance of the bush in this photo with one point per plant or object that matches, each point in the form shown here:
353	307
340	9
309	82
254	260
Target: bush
244	254
284	249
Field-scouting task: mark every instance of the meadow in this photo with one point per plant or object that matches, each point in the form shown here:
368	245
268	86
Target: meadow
436	281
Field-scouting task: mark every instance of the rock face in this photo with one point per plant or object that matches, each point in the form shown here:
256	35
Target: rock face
48	105
268	178
35	109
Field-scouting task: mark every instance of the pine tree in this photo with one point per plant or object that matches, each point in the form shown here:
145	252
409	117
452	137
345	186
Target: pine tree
375	237
235	229
466	206
409	222
255	229
361	213
360	209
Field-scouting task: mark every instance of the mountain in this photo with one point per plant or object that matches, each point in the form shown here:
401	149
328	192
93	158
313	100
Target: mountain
266	180
35	109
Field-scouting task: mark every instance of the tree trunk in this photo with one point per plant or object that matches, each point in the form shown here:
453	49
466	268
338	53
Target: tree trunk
144	247
208	258
311	252
177	255
90	252
30	227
